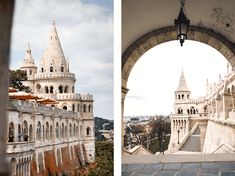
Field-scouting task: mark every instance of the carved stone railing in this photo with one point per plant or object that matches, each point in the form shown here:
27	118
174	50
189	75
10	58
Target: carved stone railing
19	147
54	75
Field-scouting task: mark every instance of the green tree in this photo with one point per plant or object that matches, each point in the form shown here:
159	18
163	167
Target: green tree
15	80
104	159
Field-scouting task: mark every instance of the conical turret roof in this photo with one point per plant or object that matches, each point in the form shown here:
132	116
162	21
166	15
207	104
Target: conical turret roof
53	55
182	84
28	59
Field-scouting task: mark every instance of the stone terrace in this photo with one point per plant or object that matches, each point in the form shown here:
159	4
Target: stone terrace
179	165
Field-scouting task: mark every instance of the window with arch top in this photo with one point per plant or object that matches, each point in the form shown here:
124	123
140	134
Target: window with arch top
51	69
88	131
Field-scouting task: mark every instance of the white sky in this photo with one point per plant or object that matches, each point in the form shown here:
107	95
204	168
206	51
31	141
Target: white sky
155	76
85	29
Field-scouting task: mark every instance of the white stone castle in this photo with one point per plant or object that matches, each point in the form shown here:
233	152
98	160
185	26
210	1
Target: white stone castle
205	124
50	139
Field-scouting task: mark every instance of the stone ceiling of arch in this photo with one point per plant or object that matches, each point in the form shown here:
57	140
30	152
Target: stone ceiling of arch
142	16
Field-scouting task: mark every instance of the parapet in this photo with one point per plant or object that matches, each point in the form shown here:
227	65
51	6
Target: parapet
87	97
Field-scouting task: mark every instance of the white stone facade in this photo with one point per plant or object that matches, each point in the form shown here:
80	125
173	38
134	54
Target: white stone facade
207	122
35	128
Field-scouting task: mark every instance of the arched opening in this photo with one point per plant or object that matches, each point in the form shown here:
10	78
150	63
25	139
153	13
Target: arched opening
25	131
57	129
70	130
73	107
60	89
46	89
51	69
38	88
38	135
30	132
51	133
65	107
42	69
88	131
84	108
30	71
11	132
51	89
47	131
62	69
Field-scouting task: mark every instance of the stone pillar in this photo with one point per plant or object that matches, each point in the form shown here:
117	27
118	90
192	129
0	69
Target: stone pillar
225	105
124	92
233	102
6	14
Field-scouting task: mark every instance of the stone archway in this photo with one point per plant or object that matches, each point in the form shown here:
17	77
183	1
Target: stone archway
162	35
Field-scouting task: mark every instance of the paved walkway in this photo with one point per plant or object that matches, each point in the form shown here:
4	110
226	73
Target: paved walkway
220	168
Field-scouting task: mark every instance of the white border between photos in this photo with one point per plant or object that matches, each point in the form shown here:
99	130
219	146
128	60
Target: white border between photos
117	87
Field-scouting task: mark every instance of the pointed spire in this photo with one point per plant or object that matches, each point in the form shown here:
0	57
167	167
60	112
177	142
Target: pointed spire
182	84
28	59
53	54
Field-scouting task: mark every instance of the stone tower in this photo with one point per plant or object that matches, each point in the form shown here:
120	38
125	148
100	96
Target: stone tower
181	95
30	68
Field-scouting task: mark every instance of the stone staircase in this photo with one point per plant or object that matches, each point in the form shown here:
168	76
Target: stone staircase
193	143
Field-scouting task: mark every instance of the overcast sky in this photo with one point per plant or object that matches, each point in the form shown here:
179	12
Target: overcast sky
155	77
85	29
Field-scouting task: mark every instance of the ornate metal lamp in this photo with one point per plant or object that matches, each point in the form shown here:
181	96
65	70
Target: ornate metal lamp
182	24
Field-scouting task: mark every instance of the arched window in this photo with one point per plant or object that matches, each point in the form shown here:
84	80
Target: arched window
19	132
73	107
51	132
42	69
62	69
182	96
51	69
89	108
62	130
30	72
30	132
66	131
57	130
88	131
38	87
51	89
11	133
84	108
187	96
179	97
65	107
47	130
74	130
60	89
39	131
70	130
25	131
46	89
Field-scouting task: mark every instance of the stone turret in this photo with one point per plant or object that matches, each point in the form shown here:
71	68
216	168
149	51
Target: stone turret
30	68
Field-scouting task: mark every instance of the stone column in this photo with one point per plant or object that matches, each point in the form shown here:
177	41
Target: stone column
233	102
225	105
6	14
124	92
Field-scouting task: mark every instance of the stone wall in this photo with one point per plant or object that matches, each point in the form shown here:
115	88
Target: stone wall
219	137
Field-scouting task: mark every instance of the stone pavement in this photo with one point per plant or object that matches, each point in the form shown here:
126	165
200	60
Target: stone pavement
219	168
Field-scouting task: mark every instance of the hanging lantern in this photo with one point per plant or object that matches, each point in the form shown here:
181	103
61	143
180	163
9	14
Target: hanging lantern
182	25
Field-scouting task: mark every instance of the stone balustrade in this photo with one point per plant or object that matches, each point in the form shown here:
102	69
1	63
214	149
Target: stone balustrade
54	75
19	147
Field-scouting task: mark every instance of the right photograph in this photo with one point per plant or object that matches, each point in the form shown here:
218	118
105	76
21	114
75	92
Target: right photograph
178	87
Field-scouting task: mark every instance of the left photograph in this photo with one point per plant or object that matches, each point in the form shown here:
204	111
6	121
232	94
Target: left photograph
59	108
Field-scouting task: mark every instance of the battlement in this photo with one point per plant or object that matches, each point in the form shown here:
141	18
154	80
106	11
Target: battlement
39	76
87	97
